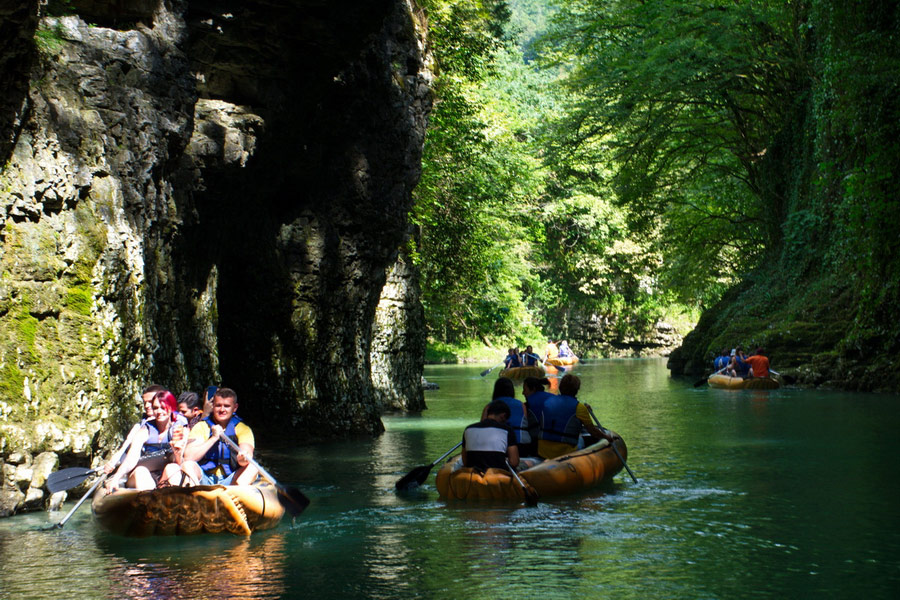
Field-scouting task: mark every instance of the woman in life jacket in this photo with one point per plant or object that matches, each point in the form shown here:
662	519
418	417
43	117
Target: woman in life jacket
562	419
156	453
505	391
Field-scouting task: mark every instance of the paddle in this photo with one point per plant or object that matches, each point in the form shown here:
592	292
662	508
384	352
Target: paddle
486	371
418	475
531	495
73	476
612	444
788	379
293	500
69	478
116	458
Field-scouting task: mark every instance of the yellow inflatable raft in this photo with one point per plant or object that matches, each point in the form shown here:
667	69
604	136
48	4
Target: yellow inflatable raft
736	383
562	361
237	509
522	372
566	474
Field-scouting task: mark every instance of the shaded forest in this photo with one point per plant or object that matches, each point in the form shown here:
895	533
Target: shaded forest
647	161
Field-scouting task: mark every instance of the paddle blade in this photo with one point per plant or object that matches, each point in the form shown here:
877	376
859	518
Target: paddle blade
293	500
531	496
700	382
486	371
67	478
414	478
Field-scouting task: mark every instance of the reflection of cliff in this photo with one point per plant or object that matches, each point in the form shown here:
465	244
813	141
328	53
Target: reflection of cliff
208	193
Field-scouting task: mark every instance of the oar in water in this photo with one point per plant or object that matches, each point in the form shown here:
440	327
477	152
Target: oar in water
418	475
788	379
531	495
293	500
612	444
486	371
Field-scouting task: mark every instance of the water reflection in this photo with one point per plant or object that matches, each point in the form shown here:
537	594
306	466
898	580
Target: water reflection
202	567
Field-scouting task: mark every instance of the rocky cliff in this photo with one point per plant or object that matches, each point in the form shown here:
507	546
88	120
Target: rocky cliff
199	193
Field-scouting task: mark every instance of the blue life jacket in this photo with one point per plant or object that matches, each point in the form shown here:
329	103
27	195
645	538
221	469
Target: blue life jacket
740	367
565	351
535	408
720	363
512	361
155	442
220	454
518	419
558	420
530	360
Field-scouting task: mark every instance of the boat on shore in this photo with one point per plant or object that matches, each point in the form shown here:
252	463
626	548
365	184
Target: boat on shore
726	382
577	471
236	509
522	372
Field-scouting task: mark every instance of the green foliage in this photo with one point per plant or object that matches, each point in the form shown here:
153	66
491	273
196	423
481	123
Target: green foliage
672	108
49	38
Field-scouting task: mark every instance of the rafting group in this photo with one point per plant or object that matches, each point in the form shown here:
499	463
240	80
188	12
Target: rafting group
545	446
186	467
519	365
737	370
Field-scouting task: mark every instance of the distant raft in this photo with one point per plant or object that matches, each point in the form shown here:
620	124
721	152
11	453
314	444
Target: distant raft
562	361
237	509
566	474
522	372
727	382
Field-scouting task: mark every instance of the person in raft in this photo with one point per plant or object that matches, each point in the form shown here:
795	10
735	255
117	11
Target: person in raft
564	350
512	359
147	405
519	418
490	443
163	433
551	351
721	361
190	406
529	358
561	420
759	364
209	460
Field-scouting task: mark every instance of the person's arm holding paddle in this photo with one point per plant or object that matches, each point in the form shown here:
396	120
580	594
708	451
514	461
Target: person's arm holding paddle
131	459
583	412
198	446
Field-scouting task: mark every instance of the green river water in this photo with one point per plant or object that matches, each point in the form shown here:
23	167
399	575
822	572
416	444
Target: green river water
741	494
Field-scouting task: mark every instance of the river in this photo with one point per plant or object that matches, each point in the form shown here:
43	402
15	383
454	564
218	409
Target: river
783	494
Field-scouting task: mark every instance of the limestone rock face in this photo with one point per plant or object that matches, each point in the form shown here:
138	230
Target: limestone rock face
199	193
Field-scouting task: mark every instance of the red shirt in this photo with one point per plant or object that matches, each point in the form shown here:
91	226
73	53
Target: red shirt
759	364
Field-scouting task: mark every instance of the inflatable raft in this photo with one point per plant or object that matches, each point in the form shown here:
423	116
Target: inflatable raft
522	372
727	382
565	361
566	474
237	509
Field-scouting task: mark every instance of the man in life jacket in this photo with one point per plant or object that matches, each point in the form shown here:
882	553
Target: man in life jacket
490	443
211	461
529	358
562	418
